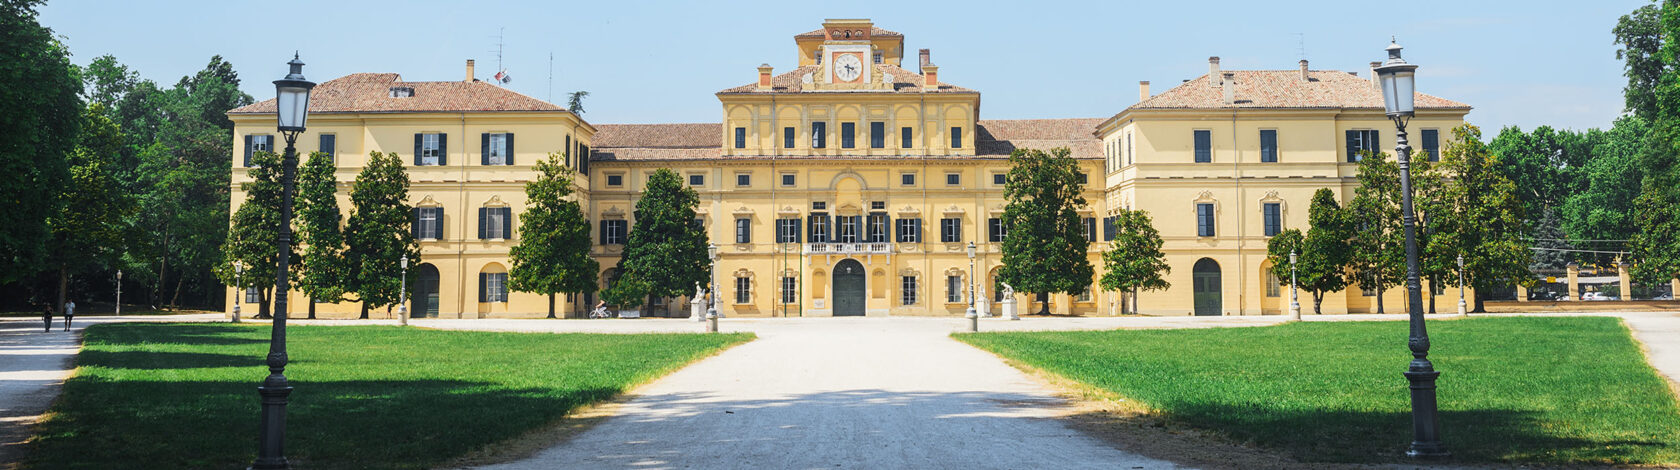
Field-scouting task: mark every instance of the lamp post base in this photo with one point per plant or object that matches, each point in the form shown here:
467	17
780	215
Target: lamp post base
1295	311
1426	442
711	321
272	455
973	320
1461	308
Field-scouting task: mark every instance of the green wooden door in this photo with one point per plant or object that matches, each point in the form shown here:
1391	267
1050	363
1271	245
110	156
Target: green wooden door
1205	287
425	293
848	292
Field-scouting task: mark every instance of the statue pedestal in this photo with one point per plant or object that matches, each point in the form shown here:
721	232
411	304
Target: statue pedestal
697	309
1008	307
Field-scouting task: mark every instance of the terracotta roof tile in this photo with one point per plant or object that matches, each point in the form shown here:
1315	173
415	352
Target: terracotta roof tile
1284	89
371	92
993	139
904	81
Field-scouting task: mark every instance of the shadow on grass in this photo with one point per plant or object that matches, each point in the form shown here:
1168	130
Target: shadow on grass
157	360
332	424
1473	436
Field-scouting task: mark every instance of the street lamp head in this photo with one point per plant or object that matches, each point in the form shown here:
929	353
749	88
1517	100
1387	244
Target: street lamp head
711	251
405	261
291	98
1292	256
1398	83
1461	261
970	250
238	267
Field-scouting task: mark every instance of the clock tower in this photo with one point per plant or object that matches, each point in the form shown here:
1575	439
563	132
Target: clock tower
849	57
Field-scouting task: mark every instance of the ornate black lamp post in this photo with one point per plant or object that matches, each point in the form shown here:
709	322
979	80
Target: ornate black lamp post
1398	89
711	311
292	110
119	292
972	315
1461	306
402	295
239	291
1294	295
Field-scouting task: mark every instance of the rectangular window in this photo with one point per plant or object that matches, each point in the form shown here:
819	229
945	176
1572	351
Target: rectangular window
787	137
1432	144
494	223
908	293
953	289
740	137
953	179
906	138
819	135
257	143
790	290
819	227
615	180
950	229
877	135
788	179
1268	146
851	226
496	149
1360	141
613	231
253	295
848	139
907	179
329	145
956	137
878	228
877	205
787	230
428	223
818	205
1272	287
1271	213
743	230
431	149
1090	228
743	179
999	178
1084	295
1204	220
1083	178
1204	146
494	288
696	180
995	230
1108	228
743	290
877	57
909	230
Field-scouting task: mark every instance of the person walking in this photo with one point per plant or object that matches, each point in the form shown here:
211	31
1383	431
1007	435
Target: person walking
69	314
46	315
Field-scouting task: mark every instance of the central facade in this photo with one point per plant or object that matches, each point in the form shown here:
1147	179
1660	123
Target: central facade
849	185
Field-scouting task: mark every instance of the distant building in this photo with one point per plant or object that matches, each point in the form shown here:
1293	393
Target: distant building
852	184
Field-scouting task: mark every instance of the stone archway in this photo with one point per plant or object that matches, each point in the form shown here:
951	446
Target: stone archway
425	292
1205	287
850	291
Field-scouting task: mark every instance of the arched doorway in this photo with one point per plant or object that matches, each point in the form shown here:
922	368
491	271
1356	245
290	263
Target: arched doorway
1205	286
848	294
425	292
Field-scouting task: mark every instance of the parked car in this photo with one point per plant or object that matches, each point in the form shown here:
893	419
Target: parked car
1542	295
1664	297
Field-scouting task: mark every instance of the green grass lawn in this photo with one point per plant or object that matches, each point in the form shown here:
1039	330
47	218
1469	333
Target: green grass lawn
184	395
1531	390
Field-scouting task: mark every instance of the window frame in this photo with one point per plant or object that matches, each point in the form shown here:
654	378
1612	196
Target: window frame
790	137
697	179
743	230
877	134
953	179
950	230
611	176
1268	153
819	134
790	179
614	231
431	149
908	230
1271	218
953	289
848	135
907	137
956	137
1202	143
1205	223
907	290
790	290
743	180
907	179
743	290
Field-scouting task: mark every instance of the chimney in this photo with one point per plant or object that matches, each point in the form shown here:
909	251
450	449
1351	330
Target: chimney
1229	83
1213	71
1374	82
930	74
470	71
926	59
764	77
1304	77
1143	90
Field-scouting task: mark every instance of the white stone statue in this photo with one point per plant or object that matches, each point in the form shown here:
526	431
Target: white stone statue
1008	292
1009	302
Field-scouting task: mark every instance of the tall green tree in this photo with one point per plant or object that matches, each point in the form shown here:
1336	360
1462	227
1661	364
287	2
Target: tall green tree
1134	260
1044	245
1656	247
379	232
1481	216
1641	35
254	234
40	96
87	229
1278	249
1603	210
553	251
1377	258
665	255
574	101
321	269
1325	253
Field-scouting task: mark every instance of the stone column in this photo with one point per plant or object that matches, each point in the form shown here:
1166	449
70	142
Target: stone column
1625	279
1574	281
1522	293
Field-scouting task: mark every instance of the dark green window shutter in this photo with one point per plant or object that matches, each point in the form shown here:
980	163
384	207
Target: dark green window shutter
484	149
507	159
443	149
417	142
414	224
1204	146
603	232
247	151
483	287
437	229
507	223
1352	146
483	222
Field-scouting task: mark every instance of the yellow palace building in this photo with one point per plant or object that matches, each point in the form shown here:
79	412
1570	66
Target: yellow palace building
852	184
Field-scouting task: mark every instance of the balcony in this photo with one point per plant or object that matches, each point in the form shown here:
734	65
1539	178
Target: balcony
849	248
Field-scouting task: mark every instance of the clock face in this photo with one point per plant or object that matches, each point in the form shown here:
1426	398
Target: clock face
847	67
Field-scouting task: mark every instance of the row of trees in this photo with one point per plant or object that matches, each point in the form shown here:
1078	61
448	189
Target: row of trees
101	170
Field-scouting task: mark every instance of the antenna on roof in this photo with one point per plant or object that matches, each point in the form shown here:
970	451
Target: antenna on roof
551	76
1301	45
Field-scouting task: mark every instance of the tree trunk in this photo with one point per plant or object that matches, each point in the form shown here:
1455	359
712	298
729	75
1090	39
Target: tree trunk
1480	307
311	308
550	305
63	285
1135	302
163	269
1318	302
1431	296
1044	303
175	299
364	310
264	296
1380	292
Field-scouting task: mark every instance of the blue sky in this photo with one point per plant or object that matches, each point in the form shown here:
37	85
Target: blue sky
1518	63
